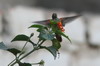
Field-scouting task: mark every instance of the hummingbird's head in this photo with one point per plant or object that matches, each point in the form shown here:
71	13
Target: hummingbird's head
54	16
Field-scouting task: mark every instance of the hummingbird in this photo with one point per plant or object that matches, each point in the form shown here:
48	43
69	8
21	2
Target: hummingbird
60	23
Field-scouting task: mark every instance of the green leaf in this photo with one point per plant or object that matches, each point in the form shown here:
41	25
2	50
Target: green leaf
52	50
56	43
61	33
24	64
14	51
36	26
45	34
40	29
2	46
22	38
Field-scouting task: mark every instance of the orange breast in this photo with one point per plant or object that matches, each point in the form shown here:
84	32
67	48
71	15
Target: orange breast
60	26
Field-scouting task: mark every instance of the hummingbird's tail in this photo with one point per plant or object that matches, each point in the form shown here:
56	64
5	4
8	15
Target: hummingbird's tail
58	37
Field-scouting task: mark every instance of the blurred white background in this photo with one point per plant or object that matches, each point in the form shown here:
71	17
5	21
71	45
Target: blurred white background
17	16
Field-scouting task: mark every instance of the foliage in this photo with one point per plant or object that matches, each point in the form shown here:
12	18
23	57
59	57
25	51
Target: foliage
45	33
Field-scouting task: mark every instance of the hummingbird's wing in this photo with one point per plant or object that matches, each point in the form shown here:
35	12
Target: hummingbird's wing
44	22
66	20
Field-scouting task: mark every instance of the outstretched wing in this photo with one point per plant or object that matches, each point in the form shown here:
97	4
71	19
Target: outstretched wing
44	22
66	20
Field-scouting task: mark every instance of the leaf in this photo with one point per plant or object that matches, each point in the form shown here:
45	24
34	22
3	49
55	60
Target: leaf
22	38
52	50
42	29
45	34
24	64
56	43
14	51
2	46
36	26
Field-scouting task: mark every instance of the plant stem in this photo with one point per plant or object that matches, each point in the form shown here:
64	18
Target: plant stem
21	52
41	43
24	56
11	62
34	63
28	54
35	48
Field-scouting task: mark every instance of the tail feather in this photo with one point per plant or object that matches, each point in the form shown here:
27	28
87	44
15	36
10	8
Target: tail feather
58	37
